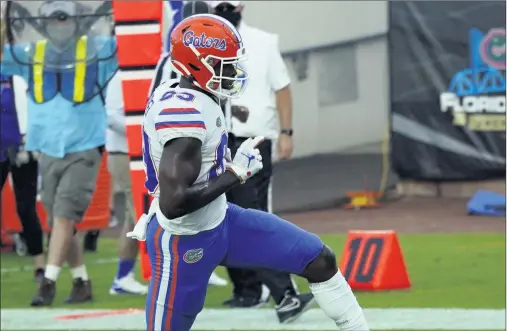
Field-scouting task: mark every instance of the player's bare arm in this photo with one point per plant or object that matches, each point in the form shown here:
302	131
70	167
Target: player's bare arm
180	165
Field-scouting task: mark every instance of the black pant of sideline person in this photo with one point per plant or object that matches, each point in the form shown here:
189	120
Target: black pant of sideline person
254	194
24	180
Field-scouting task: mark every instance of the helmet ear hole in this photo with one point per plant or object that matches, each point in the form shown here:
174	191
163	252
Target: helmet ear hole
193	67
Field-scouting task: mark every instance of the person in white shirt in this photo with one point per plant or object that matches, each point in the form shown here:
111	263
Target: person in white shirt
165	72
266	101
266	106
118	163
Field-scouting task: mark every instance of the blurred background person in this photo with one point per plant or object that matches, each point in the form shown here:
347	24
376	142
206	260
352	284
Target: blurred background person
255	113
22	166
118	163
165	72
70	141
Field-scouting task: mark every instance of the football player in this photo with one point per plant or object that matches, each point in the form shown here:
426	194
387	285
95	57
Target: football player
190	228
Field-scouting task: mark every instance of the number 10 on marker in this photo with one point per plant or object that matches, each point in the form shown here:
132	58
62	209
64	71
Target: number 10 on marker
372	260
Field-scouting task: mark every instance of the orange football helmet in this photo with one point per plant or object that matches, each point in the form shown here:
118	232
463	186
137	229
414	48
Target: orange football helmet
208	50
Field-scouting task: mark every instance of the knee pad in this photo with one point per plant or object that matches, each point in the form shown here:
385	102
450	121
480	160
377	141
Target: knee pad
328	257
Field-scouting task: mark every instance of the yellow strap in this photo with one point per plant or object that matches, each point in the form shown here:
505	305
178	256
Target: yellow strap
38	70
80	72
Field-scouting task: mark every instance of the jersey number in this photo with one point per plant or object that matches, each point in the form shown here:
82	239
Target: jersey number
185	96
219	167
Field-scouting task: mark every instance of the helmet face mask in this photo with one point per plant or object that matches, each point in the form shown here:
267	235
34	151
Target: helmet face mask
229	78
212	56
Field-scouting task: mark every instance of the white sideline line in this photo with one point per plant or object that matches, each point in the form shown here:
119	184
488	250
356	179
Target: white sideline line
27	267
261	319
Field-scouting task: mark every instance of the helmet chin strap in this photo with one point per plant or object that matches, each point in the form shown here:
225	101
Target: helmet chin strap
203	61
180	65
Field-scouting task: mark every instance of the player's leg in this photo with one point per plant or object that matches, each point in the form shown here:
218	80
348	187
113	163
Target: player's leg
254	194
259	239
280	284
247	287
124	282
289	304
181	267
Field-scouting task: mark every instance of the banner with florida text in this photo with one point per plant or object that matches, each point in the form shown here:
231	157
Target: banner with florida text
447	70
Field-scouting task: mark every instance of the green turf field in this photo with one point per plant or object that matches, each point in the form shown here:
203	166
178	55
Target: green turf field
446	270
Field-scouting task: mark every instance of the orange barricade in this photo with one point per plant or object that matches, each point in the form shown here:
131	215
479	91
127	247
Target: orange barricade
135	139
128	11
130	54
138	48
372	261
138	51
96	217
135	93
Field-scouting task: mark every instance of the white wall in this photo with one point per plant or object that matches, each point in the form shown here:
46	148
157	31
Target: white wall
308	24
336	127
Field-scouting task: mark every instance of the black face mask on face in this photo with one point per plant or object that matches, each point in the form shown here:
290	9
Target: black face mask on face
229	14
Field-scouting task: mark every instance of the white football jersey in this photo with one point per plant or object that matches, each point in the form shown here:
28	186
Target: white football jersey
176	113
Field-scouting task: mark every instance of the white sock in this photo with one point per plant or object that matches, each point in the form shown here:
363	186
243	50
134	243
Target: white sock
336	299
52	272
79	272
